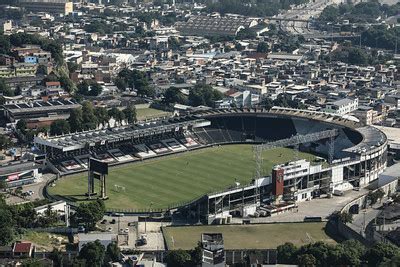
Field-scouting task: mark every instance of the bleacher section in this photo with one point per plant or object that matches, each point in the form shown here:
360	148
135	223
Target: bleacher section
216	127
173	145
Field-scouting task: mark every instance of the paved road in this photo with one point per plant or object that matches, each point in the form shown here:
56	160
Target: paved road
361	220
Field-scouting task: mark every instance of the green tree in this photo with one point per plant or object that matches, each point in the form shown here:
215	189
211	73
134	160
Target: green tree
21	126
5	89
76	120
83	88
286	253
345	217
95	89
380	253
67	84
352	252
3	185
90	213
5	142
357	56
88	117
102	116
113	253
120	83
306	260
319	250
59	127
93	253
393	262
57	257
173	95
137	80
120	117
6	225
204	95
130	113
196	255
262	47
177	258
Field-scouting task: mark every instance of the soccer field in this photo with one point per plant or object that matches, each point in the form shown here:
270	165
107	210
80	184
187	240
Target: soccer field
255	236
146	113
174	179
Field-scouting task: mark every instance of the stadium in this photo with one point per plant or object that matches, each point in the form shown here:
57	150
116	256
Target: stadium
214	164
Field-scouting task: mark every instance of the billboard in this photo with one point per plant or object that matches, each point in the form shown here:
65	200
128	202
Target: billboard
277	181
98	166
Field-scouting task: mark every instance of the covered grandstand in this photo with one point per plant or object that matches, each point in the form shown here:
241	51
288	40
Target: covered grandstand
358	153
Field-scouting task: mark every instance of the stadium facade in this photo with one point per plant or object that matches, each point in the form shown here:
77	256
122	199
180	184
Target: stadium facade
357	154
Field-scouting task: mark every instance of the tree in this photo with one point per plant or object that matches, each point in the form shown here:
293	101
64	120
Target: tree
72	67
5	89
287	253
130	113
306	260
57	257
352	252
59	127
204	95
177	258
113	253
357	56
89	120
120	117
95	89
90	213
120	83
375	196
196	255
319	250
67	84
76	120
102	115
6	225
345	217
83	88
395	261
5	142
93	253
173	95
262	47
137	80
380	253
3	185
21	126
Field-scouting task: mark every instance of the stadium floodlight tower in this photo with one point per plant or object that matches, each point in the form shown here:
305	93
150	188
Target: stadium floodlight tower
293	141
97	170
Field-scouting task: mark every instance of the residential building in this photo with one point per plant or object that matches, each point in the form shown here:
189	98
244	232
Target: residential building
63	7
342	106
212	250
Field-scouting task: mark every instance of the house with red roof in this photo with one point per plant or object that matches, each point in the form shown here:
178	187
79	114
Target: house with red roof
23	250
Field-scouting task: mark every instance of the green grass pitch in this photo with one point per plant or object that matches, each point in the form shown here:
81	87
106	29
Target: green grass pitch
255	236
166	181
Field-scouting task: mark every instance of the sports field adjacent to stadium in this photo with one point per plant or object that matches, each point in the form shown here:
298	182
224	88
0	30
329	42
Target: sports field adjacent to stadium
254	236
170	180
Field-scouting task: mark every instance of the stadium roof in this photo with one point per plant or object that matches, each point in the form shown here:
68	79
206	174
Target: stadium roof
39	106
373	139
19	166
79	140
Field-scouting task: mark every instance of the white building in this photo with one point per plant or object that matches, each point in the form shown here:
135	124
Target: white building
342	106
